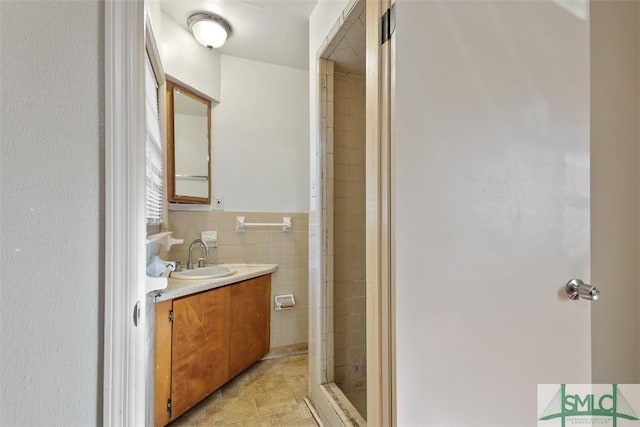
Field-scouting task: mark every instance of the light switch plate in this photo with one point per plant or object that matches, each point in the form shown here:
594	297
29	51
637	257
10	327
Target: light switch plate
218	202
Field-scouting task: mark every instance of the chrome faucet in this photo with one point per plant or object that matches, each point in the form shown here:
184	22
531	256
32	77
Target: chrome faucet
200	260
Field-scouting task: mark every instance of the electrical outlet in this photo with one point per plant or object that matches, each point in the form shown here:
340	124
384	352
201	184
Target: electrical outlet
210	238
218	203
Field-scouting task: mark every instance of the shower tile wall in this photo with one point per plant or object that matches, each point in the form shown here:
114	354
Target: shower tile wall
349	238
257	245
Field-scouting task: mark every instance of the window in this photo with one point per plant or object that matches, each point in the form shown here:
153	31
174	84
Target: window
154	151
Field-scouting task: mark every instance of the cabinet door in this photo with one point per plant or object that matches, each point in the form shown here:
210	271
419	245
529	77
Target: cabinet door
162	362
250	322
200	355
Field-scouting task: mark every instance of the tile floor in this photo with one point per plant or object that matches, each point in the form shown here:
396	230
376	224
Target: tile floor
270	393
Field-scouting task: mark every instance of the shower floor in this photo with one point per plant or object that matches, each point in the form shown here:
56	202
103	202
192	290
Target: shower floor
270	393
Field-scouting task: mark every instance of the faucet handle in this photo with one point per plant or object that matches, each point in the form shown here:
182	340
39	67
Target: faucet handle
201	262
179	266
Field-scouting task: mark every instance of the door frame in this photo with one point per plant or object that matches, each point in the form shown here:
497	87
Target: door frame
124	365
380	334
379	248
125	231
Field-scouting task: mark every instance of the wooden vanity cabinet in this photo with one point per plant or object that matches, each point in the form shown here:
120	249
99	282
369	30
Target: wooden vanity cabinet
205	339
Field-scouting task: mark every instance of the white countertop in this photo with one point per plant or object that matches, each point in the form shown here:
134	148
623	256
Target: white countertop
181	287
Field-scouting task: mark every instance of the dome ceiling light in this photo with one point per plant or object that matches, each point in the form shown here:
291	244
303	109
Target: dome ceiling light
208	29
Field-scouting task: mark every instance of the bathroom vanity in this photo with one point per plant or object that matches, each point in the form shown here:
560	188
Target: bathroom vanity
207	332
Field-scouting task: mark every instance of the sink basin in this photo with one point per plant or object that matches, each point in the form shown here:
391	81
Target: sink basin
210	272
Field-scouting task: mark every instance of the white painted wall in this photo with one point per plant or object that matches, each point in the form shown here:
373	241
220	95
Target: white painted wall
185	59
154	13
260	137
51	111
614	190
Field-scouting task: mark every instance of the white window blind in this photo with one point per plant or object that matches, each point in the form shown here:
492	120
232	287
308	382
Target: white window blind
155	152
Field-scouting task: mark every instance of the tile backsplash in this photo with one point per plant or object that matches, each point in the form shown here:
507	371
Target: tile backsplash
268	245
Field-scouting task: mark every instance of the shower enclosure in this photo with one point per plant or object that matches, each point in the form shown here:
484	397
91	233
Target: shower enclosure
342	98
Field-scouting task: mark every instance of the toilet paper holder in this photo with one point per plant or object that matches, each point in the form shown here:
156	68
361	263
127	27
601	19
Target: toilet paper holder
284	302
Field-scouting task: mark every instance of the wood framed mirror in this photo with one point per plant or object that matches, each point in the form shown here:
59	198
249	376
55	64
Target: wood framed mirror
188	146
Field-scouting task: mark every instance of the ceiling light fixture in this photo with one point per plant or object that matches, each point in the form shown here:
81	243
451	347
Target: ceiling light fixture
209	30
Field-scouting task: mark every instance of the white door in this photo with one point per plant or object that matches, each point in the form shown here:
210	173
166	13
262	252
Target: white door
490	200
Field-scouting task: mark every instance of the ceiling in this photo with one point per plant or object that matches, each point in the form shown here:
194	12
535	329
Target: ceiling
348	47
272	31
